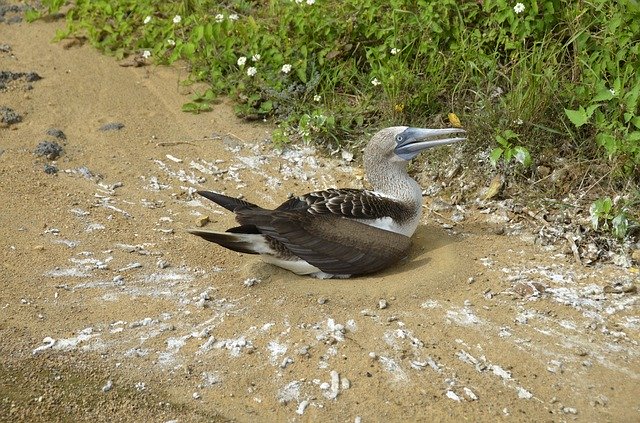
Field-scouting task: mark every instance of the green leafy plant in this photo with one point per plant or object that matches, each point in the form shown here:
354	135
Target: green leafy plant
507	150
565	69
605	216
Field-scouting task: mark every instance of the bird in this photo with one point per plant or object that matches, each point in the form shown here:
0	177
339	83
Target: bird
340	233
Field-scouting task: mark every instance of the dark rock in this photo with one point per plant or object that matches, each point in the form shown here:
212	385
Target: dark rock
50	169
49	149
5	48
11	13
112	126
8	116
56	133
32	77
7	76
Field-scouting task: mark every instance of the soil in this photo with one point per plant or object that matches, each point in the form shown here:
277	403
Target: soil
110	310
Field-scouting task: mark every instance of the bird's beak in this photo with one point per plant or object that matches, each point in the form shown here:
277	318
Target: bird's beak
412	141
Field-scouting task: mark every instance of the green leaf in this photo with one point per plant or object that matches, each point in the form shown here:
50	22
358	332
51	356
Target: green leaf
604	95
634	136
266	107
494	156
620	225
522	156
577	117
32	15
592	108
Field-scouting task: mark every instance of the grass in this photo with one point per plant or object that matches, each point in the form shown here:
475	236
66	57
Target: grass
552	80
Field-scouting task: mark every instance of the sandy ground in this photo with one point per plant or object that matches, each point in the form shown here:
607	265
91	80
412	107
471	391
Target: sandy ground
109	310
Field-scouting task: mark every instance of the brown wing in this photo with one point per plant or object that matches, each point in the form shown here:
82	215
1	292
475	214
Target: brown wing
333	244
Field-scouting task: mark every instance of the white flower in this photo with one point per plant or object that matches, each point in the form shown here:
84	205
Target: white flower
219	17
233	17
518	8
171	42
310	2
252	71
177	19
146	54
299	1
612	91
317	98
147	20
256	57
375	82
518	121
394	51
242	60
286	68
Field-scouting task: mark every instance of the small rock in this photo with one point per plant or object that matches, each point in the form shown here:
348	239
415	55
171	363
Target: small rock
51	150
495	187
38	247
8	116
56	133
111	126
382	304
32	77
569	410
202	221
251	282
108	386
322	300
620	289
543	171
50	169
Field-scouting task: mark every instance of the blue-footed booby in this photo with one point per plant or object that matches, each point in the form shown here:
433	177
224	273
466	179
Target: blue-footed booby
340	232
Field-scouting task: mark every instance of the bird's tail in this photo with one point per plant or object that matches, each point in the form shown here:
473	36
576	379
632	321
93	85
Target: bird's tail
229	203
248	243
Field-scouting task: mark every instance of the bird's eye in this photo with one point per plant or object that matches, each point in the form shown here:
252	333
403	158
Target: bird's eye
399	138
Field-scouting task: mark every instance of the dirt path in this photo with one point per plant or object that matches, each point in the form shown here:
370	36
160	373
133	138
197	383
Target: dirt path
110	311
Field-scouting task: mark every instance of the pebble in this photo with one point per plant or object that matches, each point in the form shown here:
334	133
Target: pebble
38	247
470	394
50	169
452	395
111	126
251	282
50	149
8	116
202	220
173	159
322	300
569	410
302	406
56	133
382	304
108	386
195	396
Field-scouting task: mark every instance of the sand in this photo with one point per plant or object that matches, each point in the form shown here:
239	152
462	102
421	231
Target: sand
109	310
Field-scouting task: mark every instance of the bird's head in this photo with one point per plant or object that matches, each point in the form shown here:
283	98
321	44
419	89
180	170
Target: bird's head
402	143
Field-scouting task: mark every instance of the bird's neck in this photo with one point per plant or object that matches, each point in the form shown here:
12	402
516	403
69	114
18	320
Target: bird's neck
392	180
